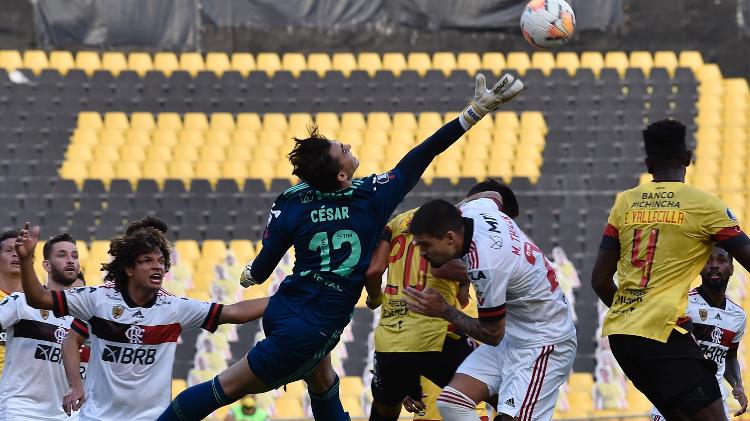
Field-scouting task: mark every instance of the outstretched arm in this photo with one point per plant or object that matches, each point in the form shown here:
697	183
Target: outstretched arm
36	295
413	165
243	311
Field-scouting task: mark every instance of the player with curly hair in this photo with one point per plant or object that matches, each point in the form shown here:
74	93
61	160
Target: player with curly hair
134	324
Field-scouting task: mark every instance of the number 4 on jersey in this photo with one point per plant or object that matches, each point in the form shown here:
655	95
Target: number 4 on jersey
648	262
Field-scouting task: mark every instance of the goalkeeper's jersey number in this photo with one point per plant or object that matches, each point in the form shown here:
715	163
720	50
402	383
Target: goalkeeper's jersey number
320	243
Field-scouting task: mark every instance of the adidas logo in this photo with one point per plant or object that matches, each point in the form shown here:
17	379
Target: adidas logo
511	403
138	314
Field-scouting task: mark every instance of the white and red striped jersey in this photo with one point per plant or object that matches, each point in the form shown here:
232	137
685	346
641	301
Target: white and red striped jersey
34	381
132	348
509	272
717	329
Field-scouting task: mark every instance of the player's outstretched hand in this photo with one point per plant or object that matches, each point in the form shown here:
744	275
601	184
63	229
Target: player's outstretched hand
428	302
26	241
415	406
486	100
246	279
739	394
74	399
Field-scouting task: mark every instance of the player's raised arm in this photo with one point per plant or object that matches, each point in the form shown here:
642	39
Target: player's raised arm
374	274
36	295
413	164
243	311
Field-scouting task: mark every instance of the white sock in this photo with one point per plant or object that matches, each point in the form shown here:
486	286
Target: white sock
455	406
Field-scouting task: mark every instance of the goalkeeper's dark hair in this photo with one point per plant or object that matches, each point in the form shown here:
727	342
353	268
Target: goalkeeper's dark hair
510	203
664	141
59	238
435	218
312	161
141	237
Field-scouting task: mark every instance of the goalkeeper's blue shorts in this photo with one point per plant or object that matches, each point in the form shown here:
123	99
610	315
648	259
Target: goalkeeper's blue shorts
292	349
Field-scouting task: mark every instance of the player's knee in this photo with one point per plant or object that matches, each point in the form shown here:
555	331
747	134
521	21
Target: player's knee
454	405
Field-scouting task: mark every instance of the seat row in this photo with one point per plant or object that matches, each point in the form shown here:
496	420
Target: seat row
270	62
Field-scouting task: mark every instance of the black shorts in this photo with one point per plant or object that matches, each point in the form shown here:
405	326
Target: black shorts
396	374
673	375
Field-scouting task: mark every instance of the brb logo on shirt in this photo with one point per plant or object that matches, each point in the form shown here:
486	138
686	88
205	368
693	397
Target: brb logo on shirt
135	334
125	355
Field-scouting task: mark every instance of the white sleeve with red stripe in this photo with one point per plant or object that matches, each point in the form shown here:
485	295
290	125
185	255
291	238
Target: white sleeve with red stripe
194	313
490	284
77	302
740	331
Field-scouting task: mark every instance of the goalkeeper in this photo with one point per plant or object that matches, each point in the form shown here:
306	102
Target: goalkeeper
334	222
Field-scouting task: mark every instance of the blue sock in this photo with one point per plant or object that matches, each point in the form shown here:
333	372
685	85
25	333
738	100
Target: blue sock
327	405
195	403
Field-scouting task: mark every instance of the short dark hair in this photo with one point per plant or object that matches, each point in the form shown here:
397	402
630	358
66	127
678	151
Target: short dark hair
664	140
731	259
312	161
510	203
141	237
59	238
8	234
435	218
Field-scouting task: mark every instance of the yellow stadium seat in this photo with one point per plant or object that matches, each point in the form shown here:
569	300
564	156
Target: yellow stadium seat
214	250
378	120
111	137
188	250
353	121
243	250
270	138
128	153
294	63
248	121
234	169
533	119
195	121
222	121
691	59
101	170
106	153
73	171
242	137
592	60
419	62
506	120
79	153
667	60
320	63
494	61
85	137
519	61
178	385
429	120
274	121
261	170
128	170
169	121
192	63
328	123
140	63
218	63
369	62
299	121
114	62
62	61
642	60
181	169
88	61
395	62
288	408
471	62
89	120
497	168
218	138
244	63
371	152
142	121
166	62
617	60
158	153
445	62
10	60
404	120
344	62
211	153
116	120
353	406
35	60
268	62
208	170
543	60
186	153
567	60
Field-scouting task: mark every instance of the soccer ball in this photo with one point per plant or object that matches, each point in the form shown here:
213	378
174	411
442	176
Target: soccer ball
547	23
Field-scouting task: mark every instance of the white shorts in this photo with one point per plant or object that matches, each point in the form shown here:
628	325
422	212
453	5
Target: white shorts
527	380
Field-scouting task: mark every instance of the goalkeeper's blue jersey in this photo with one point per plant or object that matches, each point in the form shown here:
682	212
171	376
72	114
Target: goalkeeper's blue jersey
334	235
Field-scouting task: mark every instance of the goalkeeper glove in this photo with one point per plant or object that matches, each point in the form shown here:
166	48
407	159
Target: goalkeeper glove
486	100
246	279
